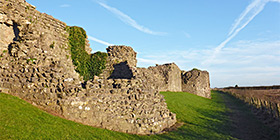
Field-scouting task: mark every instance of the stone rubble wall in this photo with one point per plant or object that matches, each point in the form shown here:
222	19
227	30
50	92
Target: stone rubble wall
171	75
149	79
196	82
35	61
165	77
121	106
122	54
36	65
121	63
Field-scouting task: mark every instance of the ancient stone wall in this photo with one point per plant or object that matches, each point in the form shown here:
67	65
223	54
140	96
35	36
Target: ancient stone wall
171	75
165	77
120	105
196	82
149	79
35	61
121	63
122	54
35	64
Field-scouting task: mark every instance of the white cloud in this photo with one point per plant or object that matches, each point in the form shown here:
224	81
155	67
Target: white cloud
254	8
251	11
243	62
128	20
99	41
275	1
64	5
147	62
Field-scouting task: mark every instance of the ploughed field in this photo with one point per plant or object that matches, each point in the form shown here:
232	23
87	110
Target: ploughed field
222	117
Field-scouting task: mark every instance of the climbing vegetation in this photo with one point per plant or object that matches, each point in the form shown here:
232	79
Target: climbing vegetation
87	65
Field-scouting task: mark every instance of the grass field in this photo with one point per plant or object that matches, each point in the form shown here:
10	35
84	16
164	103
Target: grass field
202	118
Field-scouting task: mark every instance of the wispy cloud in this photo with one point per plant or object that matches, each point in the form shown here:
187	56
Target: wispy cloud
275	1
99	41
64	5
147	62
245	62
251	11
128	20
248	14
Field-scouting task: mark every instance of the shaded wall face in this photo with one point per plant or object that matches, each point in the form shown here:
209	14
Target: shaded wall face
121	71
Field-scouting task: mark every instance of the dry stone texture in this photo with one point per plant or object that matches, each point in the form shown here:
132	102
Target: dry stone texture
36	65
30	68
121	62
120	105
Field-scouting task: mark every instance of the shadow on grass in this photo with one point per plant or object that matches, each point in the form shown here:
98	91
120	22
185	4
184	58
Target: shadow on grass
203	118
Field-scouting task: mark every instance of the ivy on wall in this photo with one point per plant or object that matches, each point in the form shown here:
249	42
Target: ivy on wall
87	65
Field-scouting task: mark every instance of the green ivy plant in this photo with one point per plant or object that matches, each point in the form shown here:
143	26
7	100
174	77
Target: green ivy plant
87	65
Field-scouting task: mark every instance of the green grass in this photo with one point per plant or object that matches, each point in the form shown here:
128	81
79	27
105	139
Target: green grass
203	119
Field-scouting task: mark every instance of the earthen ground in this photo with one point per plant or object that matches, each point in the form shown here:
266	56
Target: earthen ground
245	124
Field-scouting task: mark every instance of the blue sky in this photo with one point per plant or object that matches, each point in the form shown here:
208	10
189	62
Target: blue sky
237	41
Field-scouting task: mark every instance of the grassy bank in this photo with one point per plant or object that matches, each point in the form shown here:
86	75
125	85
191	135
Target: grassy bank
202	118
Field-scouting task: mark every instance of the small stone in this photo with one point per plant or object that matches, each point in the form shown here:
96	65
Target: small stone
80	107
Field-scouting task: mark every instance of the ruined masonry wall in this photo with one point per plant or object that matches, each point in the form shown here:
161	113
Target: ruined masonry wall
196	82
35	65
35	60
121	106
171	75
165	77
